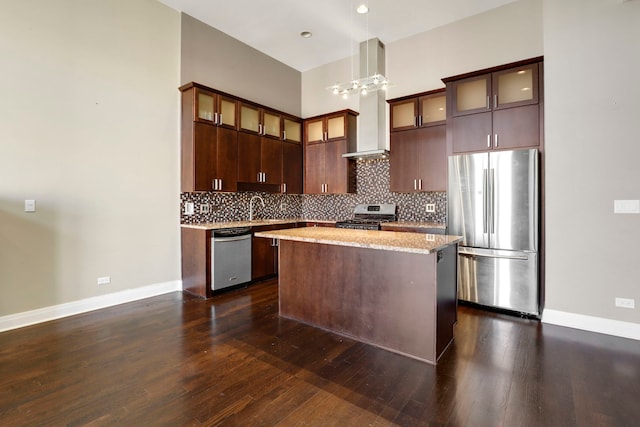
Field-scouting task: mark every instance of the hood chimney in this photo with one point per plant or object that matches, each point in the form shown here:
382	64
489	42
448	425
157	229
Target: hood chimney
372	119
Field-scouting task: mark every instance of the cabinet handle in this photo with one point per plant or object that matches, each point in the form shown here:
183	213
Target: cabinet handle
219	118
415	184
488	105
214	184
415	122
259	177
419	121
284	187
326	136
284	134
264	177
488	141
495	140
215	118
420	184
495	101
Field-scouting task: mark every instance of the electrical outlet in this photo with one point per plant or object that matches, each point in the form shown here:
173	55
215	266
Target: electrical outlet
625	302
204	208
104	280
430	237
431	207
189	208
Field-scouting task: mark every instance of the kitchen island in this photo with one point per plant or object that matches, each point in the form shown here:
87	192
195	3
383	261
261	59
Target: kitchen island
394	290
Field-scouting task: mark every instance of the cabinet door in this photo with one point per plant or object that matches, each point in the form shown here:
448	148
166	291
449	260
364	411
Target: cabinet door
249	118
249	153
471	133
292	168
515	87
471	95
314	162
403	114
227	111
338	174
314	130
205	109
271	124
432	158
263	258
516	127
336	127
227	158
204	155
403	161
292	130
271	160
433	109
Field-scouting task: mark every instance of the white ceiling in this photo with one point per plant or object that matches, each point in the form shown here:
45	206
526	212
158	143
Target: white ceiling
274	26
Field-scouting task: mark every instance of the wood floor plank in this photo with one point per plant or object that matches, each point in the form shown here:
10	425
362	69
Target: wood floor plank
232	360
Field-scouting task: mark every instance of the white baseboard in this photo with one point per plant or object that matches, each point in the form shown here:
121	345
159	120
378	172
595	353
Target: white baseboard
19	320
592	324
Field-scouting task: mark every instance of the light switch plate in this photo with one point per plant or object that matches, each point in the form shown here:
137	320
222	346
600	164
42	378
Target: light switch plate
29	205
626	206
189	208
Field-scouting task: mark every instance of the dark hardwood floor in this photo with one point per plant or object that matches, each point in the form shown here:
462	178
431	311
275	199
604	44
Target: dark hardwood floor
176	360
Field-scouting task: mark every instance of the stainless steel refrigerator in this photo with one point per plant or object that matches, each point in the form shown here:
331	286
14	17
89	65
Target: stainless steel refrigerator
493	202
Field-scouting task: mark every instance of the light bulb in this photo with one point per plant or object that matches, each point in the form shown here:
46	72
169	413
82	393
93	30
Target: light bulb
345	95
363	91
335	90
354	84
376	80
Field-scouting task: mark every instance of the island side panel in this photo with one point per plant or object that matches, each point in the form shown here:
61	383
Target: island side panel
447	309
385	298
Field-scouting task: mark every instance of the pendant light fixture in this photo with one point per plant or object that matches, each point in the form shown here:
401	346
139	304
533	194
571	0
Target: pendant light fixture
372	80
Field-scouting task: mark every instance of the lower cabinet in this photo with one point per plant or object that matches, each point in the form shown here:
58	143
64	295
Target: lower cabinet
264	253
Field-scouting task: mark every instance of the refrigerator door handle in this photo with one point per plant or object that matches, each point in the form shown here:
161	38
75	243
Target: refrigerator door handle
485	193
463	252
492	183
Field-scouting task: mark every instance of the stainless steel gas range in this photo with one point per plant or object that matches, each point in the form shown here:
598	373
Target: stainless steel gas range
369	216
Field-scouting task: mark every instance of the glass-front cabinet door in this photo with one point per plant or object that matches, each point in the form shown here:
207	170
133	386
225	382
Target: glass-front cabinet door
515	87
292	130
314	130
403	114
433	109
249	118
336	127
205	102
271	124
226	111
472	95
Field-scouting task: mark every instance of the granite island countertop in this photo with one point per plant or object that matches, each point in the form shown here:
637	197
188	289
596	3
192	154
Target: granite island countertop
371	239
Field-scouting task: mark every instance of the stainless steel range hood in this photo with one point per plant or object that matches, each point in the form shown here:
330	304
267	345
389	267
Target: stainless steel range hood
372	119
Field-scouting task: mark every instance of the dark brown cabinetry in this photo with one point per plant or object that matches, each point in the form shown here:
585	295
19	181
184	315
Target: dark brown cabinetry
291	168
208	141
264	253
327	138
418	158
496	109
229	144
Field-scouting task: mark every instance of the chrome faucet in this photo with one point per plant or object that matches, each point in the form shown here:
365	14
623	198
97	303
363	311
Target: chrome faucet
251	206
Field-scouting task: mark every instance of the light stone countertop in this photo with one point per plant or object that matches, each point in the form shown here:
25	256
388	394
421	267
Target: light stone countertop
384	240
416	224
254	223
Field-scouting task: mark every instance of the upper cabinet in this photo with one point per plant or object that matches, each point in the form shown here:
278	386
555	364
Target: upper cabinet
261	121
330	127
214	108
495	91
418	154
229	144
327	138
418	111
209	145
496	109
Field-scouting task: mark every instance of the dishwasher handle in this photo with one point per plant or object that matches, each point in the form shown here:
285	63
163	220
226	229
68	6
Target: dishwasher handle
232	238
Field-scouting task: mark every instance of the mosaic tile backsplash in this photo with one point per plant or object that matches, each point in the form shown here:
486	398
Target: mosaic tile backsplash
372	186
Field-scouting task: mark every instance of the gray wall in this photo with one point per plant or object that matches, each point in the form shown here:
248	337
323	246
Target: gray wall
212	58
592	129
89	128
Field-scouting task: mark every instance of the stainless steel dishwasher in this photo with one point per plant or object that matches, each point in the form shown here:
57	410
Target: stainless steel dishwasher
230	257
